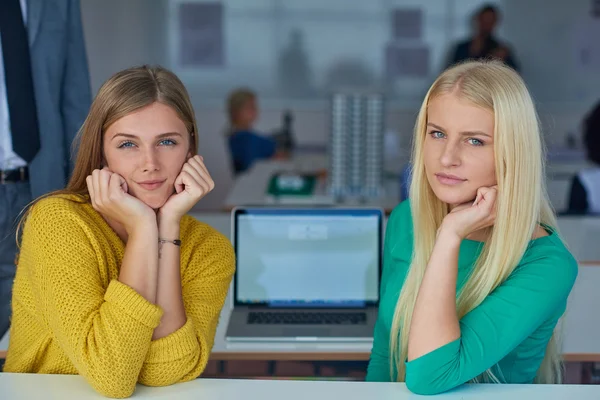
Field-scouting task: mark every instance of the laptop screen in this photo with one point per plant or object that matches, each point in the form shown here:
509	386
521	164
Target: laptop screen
308	257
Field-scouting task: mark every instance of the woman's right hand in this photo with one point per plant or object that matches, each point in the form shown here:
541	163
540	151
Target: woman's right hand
470	217
108	194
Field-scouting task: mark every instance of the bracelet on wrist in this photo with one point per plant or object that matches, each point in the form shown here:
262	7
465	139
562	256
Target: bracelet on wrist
176	242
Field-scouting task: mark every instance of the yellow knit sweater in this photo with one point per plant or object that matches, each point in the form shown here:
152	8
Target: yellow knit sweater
72	316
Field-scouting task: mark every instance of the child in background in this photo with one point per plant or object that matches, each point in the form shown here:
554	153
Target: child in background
246	145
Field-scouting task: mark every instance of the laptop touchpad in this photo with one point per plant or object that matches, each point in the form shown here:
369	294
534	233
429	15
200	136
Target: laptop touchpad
322	332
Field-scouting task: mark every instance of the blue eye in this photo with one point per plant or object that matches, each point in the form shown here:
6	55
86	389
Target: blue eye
437	134
167	142
475	142
126	144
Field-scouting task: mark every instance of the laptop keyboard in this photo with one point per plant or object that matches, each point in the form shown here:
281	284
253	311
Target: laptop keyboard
306	318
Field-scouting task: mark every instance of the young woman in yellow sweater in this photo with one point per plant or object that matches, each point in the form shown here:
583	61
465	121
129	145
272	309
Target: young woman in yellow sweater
114	281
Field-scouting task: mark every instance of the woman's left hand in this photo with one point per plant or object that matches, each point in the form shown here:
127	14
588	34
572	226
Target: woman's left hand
193	183
470	217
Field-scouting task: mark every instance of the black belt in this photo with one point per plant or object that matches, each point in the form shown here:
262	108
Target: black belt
14	175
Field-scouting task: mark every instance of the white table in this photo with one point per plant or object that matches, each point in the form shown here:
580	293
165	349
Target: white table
250	188
582	235
66	387
581	322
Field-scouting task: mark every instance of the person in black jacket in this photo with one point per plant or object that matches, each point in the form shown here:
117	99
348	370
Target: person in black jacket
484	44
585	186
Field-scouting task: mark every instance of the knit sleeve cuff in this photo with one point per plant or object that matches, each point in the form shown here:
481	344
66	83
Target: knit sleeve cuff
175	346
133	304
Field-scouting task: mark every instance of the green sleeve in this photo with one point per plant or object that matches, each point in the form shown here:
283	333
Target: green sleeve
379	363
533	294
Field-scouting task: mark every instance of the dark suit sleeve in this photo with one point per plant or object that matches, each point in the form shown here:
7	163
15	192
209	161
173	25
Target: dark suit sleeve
460	53
454	56
511	60
75	92
578	203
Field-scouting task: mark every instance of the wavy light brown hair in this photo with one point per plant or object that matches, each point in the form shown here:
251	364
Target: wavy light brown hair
123	93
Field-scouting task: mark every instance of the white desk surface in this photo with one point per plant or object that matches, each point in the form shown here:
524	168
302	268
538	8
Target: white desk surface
250	187
65	387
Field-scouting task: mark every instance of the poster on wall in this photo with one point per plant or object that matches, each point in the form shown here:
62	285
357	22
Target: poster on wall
407	23
403	61
406	56
586	46
201	38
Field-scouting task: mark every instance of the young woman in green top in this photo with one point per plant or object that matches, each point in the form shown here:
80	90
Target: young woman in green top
475	276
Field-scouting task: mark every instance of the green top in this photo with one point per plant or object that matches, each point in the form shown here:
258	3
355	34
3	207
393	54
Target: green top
508	332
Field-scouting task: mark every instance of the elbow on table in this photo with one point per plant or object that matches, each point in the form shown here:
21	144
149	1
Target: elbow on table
114	387
427	385
167	375
156	380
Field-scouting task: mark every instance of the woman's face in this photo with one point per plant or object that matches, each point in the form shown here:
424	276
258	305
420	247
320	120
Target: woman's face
148	149
458	149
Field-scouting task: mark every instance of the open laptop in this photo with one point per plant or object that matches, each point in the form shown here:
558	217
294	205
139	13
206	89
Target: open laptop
306	273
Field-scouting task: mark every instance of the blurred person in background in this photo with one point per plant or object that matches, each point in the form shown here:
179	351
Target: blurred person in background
484	44
584	197
247	145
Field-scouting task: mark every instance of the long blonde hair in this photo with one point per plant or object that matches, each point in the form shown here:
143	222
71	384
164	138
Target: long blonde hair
522	201
123	93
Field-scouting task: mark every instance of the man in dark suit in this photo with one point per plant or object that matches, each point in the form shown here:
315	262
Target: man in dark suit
44	99
484	44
